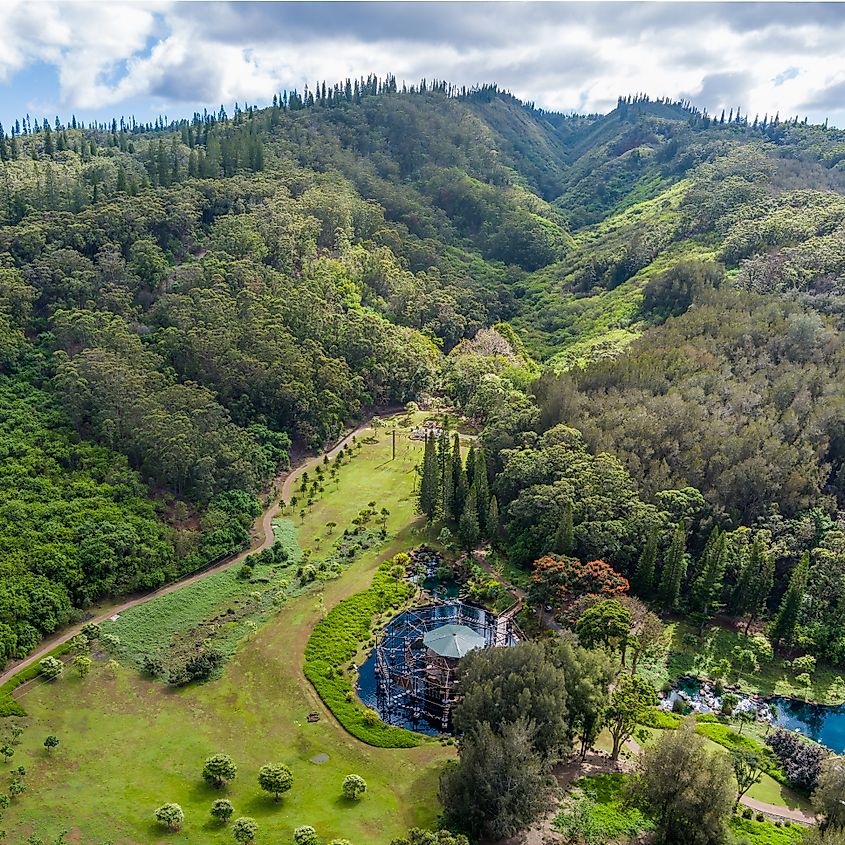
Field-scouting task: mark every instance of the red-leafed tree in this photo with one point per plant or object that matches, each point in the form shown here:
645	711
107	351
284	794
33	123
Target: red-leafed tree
559	580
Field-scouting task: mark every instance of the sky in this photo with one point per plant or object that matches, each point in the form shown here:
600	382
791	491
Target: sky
105	59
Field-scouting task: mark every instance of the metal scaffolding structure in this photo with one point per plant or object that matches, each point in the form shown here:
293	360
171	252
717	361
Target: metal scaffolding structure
416	685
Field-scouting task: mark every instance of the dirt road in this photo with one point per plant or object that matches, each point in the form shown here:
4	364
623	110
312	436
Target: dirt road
261	538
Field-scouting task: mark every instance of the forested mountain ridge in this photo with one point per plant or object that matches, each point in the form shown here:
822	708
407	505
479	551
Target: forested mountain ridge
192	296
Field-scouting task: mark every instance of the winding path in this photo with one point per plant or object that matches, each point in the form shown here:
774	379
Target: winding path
775	811
261	537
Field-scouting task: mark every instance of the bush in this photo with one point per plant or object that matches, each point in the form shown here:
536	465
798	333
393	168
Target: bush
51	668
153	666
747	814
800	759
222	810
354	786
170	815
335	641
218	769
306	835
655	718
244	829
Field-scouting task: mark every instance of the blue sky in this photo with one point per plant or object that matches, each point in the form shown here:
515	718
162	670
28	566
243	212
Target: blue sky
97	60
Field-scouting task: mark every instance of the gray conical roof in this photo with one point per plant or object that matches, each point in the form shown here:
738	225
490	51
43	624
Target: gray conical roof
453	640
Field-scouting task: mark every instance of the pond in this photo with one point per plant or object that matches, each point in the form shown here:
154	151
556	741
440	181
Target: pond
822	723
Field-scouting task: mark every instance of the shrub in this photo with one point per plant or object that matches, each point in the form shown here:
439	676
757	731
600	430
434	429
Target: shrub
275	779
370	718
800	760
110	642
655	718
153	666
245	572
170	815
804	664
244	829
335	641
222	810
354	786
51	668
306	835
218	769
82	663
747	814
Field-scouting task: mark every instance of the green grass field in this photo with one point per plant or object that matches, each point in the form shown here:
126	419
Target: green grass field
128	744
717	644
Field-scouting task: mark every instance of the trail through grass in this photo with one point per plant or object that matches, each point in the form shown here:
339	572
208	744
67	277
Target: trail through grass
129	744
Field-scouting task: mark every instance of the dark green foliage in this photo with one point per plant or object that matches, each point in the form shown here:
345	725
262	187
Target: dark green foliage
754	583
499	785
686	789
644	578
558	687
799	758
674	570
785	623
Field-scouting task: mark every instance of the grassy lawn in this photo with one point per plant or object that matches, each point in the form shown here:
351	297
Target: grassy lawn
128	744
828	685
768	789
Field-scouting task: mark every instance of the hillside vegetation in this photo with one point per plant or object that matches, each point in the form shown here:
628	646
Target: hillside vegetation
185	301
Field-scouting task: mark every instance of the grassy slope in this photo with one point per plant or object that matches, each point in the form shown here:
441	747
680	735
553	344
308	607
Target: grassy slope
129	745
567	329
827	687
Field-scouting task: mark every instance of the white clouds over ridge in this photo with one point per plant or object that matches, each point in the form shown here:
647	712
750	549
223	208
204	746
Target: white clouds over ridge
173	57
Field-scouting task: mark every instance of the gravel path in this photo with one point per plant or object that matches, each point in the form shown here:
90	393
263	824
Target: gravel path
261	538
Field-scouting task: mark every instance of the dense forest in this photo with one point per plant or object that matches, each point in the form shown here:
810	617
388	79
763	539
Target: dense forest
180	303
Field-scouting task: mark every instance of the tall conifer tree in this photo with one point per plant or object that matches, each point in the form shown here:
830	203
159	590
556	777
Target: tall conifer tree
785	622
674	570
644	576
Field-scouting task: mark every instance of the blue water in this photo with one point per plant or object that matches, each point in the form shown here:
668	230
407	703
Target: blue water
822	723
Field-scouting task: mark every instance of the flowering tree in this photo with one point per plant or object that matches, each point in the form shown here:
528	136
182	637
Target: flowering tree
558	580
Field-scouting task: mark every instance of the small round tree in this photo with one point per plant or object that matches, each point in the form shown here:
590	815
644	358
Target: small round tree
222	810
244	829
218	770
306	835
51	668
354	786
275	779
51	742
82	663
170	815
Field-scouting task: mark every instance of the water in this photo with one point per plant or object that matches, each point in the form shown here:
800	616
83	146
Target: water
822	723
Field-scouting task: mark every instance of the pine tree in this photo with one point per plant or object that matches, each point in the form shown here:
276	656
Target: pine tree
647	566
786	620
468	531
444	469
492	523
470	465
703	561
674	570
565	534
459	480
429	488
708	586
754	583
482	487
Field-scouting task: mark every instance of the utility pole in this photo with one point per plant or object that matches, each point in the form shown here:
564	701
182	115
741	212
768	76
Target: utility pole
394	445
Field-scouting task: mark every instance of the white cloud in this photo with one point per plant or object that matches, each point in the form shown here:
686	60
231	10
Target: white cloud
765	57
